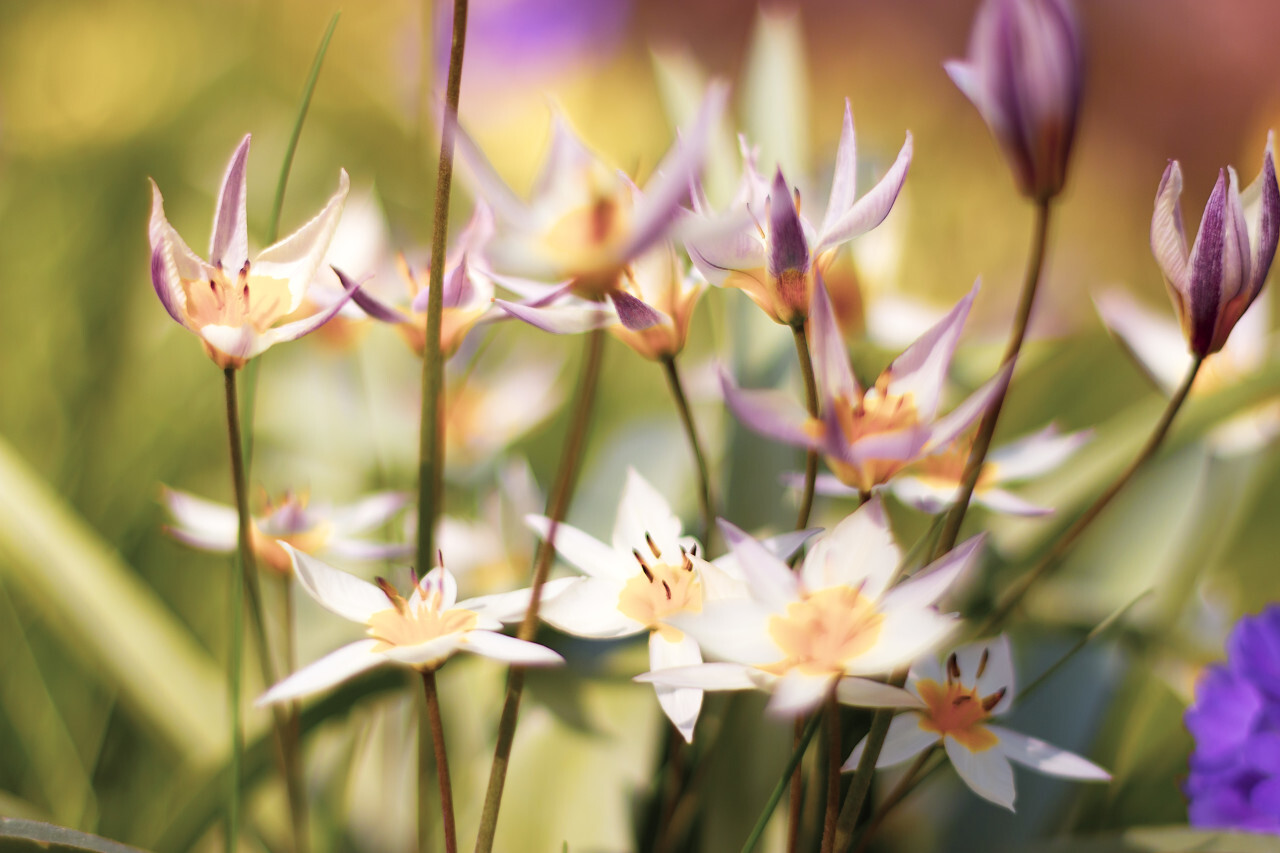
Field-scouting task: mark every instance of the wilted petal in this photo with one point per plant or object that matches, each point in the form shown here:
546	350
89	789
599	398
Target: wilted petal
339	592
229	243
680	704
333	668
987	773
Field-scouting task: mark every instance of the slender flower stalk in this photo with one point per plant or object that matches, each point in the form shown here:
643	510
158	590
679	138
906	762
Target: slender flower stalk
832	811
557	507
793	764
987	427
811	404
691	431
1063	545
238	573
441	760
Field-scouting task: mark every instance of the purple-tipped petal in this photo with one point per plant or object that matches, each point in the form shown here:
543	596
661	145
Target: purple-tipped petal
458	290
167	287
229	243
561	319
656	210
305	326
830	359
870	210
947	429
1264	247
922	369
788	249
296	258
566	159
635	314
770	412
769	579
1034	454
1206	266
1168	238
368	303
844	182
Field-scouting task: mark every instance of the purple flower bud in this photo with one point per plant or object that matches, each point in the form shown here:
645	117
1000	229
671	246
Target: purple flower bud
1024	73
1212	285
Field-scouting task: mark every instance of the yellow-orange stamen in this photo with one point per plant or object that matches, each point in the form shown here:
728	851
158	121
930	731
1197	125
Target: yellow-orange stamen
823	633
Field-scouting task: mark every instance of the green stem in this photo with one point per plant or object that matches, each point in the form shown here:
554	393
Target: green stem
245	552
833	772
908	783
861	784
704	479
557	506
987	427
441	762
772	803
811	403
1063	545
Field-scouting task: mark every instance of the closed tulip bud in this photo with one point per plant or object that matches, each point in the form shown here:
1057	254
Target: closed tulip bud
1212	285
1025	73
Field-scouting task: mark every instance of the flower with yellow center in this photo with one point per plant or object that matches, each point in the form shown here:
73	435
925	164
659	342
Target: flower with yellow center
420	631
658	278
232	302
959	701
869	436
828	626
314	528
649	576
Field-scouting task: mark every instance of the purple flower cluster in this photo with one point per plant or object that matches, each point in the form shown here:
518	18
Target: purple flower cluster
1235	720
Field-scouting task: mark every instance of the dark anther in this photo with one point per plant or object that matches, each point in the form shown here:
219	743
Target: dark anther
953	668
644	567
993	700
391	593
652	545
961	699
982	662
667	590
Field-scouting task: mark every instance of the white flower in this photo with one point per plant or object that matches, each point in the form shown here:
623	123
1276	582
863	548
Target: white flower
835	621
421	631
958	703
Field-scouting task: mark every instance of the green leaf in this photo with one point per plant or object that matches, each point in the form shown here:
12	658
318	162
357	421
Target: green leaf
17	835
1164	839
126	636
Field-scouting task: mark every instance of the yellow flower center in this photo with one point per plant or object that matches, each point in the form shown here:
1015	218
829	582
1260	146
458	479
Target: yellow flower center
659	591
269	553
823	633
958	711
876	413
412	624
255	300
947	468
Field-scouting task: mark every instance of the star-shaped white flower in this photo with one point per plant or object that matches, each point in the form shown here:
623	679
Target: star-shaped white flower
835	622
976	685
420	631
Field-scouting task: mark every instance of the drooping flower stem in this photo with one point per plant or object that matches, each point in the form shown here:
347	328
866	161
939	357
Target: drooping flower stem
704	479
811	403
557	506
1051	560
245	558
246	595
787	772
987	426
441	762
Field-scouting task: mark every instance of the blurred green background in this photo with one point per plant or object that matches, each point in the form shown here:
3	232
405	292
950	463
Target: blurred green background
112	637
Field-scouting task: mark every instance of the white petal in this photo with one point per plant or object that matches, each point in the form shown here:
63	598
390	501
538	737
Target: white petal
1154	339
930	495
865	693
824	484
999	500
732	630
905	635
367	513
644	510
331	669
434	651
987	772
904	739
1046	758
844	180
922	370
588	607
858	551
229	241
586	553
567	319
509	649
511	606
1168	237
770	580
242	342
297	257
707	676
202	523
1035	454
870	210
797	693
339	592
680	704
931	583
997	674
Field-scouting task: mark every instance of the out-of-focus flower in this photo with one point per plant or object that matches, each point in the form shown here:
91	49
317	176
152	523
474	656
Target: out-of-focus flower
658	278
494	551
1160	349
977	684
585	223
293	520
231	302
647	575
1025	74
1215	283
468	293
869	436
421	631
835	621
776	261
931	484
1235	721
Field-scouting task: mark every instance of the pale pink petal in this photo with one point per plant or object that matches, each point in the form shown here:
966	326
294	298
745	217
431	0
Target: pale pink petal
930	495
1034	454
1168	238
844	181
339	592
770	412
242	342
707	676
830	358
947	429
922	370
1046	758
1154	339
585	552
570	319
870	210
333	668
824	484
680	704
588	607
770	580
731	244
797	693
201	523
932	582
987	773
865	693
734	630
229	242
508	649
367	513
999	500
297	257
906	634
512	606
299	328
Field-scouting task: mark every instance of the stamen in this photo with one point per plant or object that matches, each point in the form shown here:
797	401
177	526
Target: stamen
644	567
982	662
993	700
953	668
667	590
961	699
686	563
440	557
759	227
797	195
652	546
391	593
694	549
